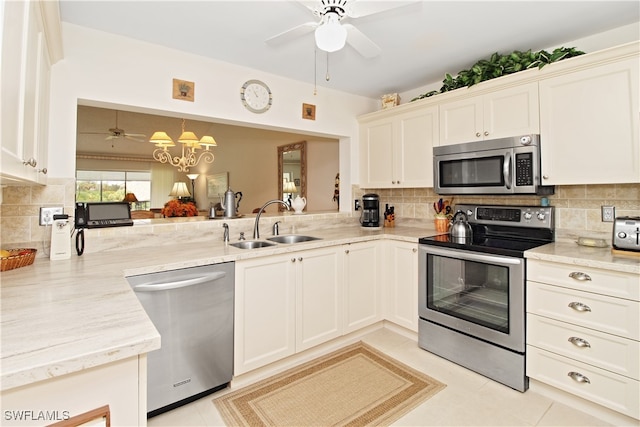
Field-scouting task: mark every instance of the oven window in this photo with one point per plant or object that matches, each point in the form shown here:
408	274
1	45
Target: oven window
480	172
469	290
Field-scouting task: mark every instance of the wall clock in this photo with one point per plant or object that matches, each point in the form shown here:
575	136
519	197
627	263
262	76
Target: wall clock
256	96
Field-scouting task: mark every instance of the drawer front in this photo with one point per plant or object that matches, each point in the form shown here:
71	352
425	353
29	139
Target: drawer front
613	391
604	282
606	351
610	315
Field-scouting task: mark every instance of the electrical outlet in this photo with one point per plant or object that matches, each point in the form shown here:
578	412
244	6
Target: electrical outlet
356	205
46	214
608	213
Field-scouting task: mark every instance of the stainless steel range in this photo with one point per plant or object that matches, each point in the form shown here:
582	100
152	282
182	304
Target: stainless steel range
472	291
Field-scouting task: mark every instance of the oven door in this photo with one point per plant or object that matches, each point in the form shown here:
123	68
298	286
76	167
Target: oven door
480	295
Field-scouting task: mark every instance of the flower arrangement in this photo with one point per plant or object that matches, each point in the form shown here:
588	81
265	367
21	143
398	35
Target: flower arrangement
443	208
178	208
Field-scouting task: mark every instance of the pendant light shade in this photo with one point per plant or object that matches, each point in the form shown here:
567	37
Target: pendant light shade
330	35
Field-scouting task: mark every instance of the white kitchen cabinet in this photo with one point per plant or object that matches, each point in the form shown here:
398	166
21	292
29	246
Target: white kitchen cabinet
498	114
582	333
362	293
401	283
396	150
25	94
589	125
121	385
285	304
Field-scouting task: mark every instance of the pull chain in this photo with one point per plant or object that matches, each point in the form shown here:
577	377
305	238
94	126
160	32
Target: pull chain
327	77
315	72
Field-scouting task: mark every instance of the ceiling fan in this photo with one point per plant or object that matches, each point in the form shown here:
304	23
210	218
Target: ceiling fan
116	133
330	33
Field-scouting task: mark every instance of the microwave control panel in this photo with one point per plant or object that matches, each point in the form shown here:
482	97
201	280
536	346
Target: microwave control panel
524	169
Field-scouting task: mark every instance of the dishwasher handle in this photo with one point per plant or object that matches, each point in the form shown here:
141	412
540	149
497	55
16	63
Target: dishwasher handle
178	284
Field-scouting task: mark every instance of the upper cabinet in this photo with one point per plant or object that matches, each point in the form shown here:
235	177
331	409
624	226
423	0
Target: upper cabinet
396	149
29	42
589	125
499	114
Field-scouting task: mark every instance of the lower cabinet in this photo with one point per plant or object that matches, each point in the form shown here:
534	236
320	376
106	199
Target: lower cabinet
284	304
583	334
401	283
362	272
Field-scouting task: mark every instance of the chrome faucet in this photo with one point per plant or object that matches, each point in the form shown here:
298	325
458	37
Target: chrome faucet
225	236
256	231
276	229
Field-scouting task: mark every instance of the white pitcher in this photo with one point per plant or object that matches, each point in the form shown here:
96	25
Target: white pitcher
298	204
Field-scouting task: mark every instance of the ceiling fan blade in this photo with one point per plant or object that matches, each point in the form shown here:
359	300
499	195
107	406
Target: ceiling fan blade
139	135
94	133
129	136
361	43
292	34
360	8
112	137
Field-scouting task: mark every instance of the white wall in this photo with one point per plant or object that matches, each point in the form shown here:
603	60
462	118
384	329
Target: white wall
101	69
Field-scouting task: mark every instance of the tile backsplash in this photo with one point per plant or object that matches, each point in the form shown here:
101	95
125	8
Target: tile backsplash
577	207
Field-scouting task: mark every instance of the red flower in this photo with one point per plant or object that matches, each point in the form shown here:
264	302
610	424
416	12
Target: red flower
178	208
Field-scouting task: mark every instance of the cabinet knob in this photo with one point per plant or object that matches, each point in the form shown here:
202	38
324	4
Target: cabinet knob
300	259
478	134
414	250
577	275
43	171
579	342
486	133
578	306
393	182
545	176
293	260
31	162
346	251
578	377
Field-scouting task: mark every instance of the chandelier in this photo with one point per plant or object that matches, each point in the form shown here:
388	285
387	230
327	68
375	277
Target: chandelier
190	147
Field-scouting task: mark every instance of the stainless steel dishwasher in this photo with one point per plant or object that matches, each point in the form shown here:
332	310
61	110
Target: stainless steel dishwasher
192	309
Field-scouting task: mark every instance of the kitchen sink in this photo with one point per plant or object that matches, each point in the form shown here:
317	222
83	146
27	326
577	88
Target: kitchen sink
292	238
251	244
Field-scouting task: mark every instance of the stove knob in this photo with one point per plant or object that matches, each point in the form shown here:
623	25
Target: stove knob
469	213
541	216
527	215
622	235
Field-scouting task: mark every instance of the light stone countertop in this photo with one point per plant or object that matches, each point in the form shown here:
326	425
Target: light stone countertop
60	317
569	252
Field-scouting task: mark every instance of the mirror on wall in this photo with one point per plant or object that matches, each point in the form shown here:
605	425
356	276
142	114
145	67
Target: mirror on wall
292	171
247	155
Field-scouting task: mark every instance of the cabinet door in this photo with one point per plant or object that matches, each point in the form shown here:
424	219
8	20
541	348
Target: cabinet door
401	282
318	296
418	133
589	126
511	112
264	316
461	121
361	285
377	154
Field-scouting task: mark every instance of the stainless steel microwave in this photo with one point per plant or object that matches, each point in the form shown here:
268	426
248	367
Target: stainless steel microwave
499	166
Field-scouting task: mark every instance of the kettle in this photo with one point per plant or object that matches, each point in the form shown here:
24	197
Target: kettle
298	204
460	229
228	203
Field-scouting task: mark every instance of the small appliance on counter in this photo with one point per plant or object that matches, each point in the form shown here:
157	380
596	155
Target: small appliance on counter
626	233
370	216
60	238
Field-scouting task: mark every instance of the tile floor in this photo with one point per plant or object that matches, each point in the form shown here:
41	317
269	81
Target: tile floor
468	400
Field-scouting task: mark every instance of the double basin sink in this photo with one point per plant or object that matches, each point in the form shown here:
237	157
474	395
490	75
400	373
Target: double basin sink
272	241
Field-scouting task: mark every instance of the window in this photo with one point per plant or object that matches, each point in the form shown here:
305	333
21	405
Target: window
111	186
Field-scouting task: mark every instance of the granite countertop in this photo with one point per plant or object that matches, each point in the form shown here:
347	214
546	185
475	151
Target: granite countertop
60	317
569	252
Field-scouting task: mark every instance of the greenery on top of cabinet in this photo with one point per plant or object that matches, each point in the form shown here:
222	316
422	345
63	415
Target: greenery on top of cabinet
500	65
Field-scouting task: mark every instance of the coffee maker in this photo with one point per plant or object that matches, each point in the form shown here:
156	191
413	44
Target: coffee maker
370	216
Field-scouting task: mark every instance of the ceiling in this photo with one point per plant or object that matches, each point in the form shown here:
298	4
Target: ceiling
420	41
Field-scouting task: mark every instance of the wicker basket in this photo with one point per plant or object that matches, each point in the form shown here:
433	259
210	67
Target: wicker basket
18	258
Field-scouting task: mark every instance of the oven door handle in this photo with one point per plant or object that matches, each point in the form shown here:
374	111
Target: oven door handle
506	170
471	256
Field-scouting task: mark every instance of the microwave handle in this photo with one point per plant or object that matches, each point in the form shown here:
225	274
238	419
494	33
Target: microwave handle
506	170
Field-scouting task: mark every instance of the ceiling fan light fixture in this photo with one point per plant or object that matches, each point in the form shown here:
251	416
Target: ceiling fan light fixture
330	35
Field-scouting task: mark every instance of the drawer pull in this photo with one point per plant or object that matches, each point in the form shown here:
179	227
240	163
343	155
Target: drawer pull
583	277
578	306
578	377
579	342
